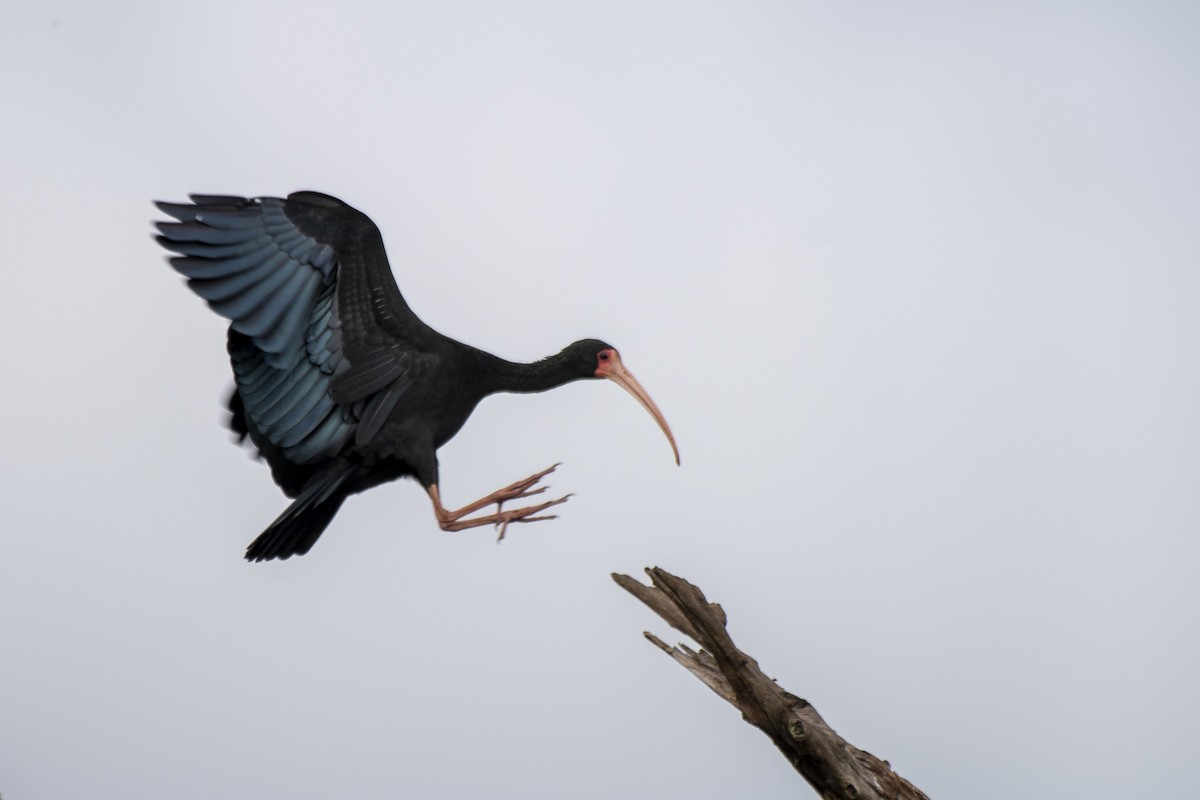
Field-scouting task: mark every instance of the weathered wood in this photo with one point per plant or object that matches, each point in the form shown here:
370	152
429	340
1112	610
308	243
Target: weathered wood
835	768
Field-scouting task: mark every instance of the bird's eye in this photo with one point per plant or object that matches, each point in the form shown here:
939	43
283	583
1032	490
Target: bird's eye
603	355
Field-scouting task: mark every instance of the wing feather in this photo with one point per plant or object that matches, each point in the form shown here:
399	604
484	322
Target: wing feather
243	307
237	283
322	344
216	199
367	374
199	232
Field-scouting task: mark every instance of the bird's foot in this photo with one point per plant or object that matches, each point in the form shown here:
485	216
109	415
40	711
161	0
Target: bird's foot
453	520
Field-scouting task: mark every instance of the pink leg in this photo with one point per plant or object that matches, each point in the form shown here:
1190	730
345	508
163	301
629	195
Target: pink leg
453	520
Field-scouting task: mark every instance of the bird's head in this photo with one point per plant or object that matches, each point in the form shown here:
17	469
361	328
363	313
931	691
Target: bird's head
596	359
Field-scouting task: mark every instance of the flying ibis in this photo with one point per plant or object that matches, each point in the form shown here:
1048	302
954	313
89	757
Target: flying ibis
338	384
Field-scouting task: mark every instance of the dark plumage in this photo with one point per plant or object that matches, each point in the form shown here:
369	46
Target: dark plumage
338	384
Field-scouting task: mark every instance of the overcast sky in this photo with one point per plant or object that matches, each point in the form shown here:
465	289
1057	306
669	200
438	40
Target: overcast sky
917	286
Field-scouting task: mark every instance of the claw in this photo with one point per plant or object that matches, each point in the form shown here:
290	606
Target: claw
454	520
526	515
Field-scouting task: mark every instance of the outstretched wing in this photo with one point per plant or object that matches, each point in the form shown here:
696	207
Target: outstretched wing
322	343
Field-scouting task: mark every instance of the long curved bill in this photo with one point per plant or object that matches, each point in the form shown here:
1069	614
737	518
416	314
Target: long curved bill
615	371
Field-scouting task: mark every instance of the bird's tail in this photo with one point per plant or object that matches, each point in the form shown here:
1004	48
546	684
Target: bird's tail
296	530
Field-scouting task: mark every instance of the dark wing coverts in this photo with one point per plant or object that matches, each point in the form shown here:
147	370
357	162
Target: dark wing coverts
320	339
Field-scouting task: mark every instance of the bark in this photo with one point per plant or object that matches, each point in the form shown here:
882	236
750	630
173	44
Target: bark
836	769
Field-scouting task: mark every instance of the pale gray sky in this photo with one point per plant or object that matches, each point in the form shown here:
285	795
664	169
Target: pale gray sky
916	286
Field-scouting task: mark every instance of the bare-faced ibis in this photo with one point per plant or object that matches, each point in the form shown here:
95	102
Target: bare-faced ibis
338	384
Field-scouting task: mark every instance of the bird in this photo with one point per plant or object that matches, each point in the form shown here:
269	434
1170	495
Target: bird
338	385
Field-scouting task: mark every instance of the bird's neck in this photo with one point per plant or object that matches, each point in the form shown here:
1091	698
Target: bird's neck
538	376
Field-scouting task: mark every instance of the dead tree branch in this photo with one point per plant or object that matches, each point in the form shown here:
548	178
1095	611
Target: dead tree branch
835	768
